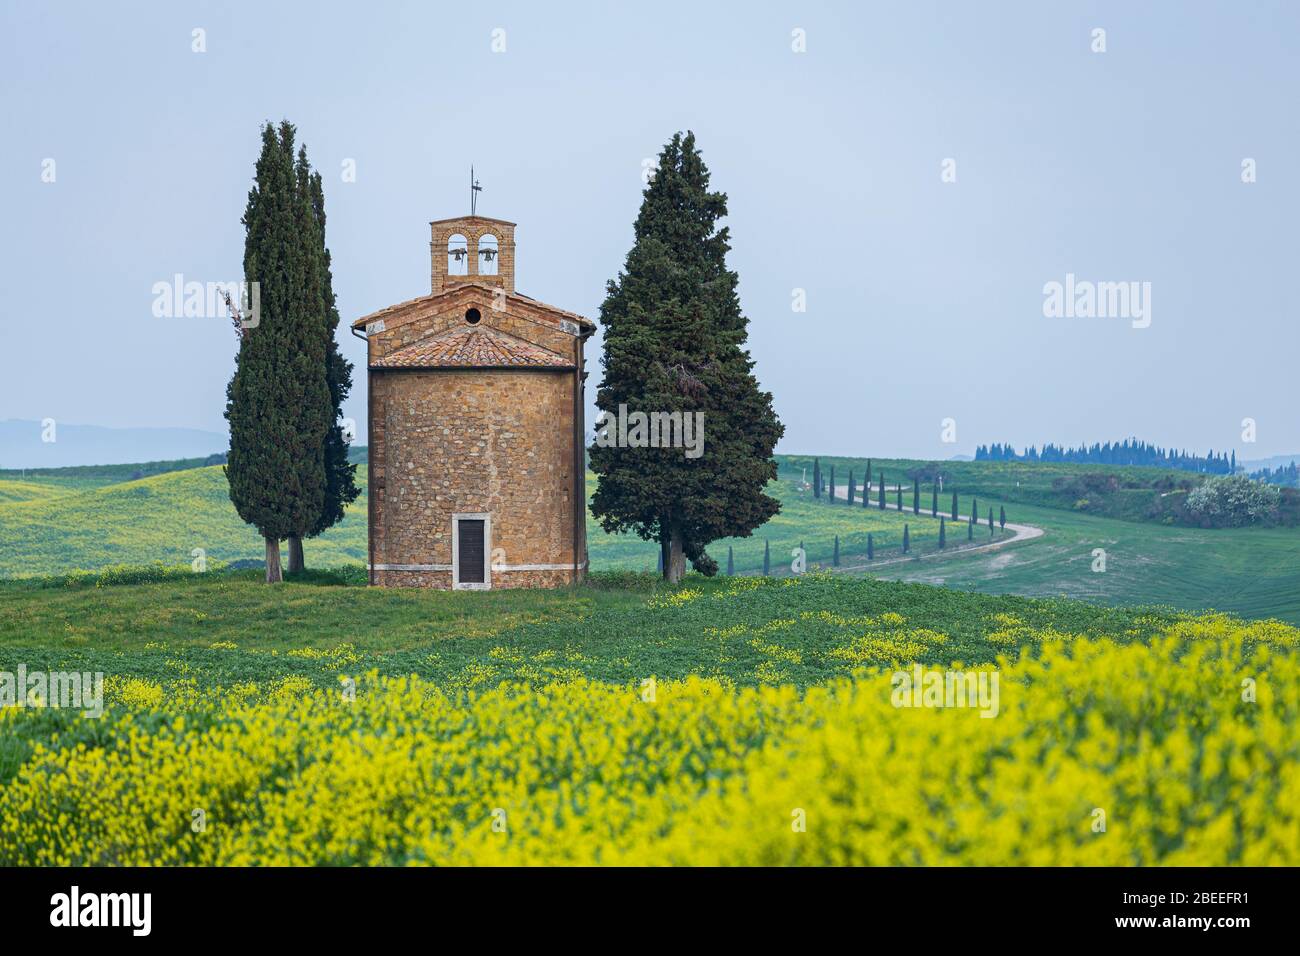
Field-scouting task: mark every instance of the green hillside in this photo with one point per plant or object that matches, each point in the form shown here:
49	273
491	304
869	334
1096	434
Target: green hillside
162	518
55	523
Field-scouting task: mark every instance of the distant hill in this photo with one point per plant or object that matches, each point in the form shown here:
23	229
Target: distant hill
1277	461
22	444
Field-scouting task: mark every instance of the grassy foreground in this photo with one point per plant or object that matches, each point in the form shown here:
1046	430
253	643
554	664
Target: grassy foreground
737	722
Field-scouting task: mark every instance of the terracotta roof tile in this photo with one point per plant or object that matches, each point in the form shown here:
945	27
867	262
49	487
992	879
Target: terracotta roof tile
472	347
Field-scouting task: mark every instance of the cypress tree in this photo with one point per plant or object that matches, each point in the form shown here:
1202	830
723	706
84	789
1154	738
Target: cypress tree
934	501
852	488
674	340
990	522
835	557
871	548
817	478
831	499
954	506
278	402
731	563
916	496
767	558
970	527
340	474
943	537
882	491
975	509
866	480
899	495
1002	517
907	540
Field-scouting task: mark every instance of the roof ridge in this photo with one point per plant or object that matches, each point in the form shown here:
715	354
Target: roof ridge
462	286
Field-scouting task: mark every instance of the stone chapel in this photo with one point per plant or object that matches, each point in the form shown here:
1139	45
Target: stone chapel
476	472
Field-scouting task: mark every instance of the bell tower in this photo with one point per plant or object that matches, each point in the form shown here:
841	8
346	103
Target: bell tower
472	249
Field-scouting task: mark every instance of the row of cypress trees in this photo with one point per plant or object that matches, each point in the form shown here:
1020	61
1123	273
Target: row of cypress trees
288	467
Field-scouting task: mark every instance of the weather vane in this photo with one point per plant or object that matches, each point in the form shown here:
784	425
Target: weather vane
474	190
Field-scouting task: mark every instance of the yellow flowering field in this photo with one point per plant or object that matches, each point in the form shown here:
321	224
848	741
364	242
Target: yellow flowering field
1181	750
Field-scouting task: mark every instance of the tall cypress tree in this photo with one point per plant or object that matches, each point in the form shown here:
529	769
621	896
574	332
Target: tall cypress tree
674	340
916	496
899	491
340	474
852	487
990	522
934	501
943	537
1002	517
817	478
882	491
954	506
907	540
278	401
831	489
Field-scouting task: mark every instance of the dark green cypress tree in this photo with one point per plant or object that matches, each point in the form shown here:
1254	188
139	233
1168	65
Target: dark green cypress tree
975	509
731	563
866	479
882	491
835	558
817	478
1002	517
278	402
871	548
674	340
340	474
990	522
943	536
852	488
831	499
767	558
934	501
899	495
954	506
907	540
916	496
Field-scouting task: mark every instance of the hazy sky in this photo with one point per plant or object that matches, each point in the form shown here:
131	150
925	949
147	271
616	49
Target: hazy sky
924	298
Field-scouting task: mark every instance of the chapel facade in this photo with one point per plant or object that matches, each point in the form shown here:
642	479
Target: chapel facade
476	447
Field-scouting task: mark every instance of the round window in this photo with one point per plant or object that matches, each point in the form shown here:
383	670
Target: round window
472	316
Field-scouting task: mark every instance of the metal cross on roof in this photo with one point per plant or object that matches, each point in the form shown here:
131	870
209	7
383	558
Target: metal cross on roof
474	190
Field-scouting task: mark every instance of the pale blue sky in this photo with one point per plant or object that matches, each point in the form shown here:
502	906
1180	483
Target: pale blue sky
924	298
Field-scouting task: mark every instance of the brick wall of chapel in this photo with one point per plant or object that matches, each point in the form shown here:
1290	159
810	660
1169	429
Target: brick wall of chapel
496	441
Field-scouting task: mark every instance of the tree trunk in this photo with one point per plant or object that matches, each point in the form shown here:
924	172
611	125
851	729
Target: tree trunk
273	575
675	566
295	554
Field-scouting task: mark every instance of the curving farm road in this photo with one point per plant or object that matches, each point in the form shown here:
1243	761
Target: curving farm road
1020	532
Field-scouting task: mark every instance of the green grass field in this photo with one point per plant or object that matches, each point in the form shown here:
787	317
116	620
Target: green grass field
226	627
70	519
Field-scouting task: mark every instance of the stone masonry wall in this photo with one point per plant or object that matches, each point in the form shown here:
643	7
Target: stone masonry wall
477	440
